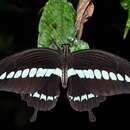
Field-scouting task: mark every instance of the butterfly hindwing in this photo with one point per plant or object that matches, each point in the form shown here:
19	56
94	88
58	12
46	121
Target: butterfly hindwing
45	98
78	95
35	74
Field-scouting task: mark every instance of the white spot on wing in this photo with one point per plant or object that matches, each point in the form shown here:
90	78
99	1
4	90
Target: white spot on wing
10	75
32	72
97	74
36	94
71	72
70	97
80	73
76	98
55	97
25	73
41	72
18	74
3	75
105	75
49	98
58	72
43	97
91	95
120	77
86	73
91	74
84	97
127	78
112	76
49	72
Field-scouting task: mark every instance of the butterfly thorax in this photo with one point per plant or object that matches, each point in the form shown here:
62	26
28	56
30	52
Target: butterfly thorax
65	62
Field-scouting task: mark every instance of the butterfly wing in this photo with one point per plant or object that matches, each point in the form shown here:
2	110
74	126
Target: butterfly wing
103	73
94	74
45	98
35	74
81	98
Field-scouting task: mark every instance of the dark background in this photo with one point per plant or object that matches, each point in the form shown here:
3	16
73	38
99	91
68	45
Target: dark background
18	31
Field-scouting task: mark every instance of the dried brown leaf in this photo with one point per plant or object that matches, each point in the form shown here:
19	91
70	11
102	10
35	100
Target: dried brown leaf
84	11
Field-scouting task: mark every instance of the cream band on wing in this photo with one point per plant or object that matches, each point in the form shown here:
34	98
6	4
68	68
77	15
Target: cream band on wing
47	72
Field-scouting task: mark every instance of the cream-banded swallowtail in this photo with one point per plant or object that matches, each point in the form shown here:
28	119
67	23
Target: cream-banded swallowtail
89	75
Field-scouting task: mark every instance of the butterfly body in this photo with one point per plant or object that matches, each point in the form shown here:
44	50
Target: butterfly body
65	53
88	75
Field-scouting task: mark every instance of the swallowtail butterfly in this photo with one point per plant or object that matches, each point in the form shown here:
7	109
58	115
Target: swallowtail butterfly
90	76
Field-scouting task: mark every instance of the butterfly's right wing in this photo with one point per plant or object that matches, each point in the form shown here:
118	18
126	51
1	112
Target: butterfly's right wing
93	75
35	74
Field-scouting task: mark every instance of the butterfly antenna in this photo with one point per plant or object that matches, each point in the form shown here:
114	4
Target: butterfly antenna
92	117
34	116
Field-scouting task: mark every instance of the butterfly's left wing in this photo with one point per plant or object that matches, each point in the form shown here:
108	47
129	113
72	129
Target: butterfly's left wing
35	74
95	74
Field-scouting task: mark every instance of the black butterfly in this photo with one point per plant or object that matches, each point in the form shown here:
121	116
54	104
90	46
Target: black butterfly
90	76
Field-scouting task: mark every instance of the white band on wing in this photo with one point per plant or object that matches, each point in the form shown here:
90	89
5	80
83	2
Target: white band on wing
30	73
47	72
98	74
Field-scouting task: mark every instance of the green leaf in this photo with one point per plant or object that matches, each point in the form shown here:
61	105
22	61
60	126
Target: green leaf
79	45
126	5
57	23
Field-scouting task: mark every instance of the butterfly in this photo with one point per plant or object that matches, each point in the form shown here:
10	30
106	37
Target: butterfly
89	76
